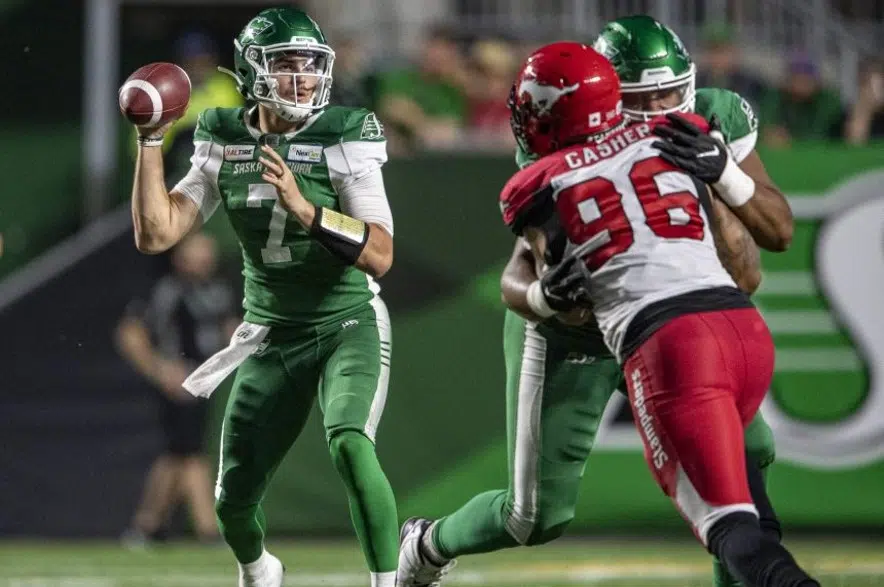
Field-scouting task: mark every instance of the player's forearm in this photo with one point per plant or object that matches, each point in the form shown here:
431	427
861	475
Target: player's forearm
768	218
736	248
515	281
758	203
153	211
368	247
377	256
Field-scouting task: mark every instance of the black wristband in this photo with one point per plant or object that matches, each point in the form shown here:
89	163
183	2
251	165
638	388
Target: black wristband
343	236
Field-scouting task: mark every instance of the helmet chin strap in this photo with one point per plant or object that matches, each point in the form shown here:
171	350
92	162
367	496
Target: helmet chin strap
645	115
290	113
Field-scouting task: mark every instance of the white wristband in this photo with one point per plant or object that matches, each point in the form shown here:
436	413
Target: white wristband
537	301
150	141
734	186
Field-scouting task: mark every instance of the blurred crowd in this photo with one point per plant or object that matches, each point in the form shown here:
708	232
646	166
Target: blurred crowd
452	93
800	105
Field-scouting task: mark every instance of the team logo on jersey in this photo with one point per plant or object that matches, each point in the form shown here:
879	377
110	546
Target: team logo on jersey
239	152
371	128
542	96
305	153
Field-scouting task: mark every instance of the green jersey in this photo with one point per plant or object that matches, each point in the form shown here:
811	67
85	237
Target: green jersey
290	279
739	125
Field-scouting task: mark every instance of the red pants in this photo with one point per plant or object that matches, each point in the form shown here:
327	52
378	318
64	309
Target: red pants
694	385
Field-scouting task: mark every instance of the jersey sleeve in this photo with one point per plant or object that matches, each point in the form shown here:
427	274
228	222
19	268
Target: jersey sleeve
200	184
739	124
522	202
354	168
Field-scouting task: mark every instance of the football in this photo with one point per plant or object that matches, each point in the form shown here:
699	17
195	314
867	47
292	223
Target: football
155	94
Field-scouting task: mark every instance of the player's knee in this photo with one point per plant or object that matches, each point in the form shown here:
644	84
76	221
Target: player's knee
345	448
551	523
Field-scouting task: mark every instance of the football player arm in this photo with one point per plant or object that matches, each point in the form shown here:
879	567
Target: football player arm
736	248
361	233
160	218
364	200
766	213
518	275
744	186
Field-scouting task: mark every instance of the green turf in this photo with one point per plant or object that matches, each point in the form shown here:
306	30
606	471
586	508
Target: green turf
601	562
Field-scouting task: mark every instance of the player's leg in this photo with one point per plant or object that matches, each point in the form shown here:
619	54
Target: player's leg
266	411
692	397
554	407
760	454
352	395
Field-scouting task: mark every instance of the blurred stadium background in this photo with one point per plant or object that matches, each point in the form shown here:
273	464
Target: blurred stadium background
78	426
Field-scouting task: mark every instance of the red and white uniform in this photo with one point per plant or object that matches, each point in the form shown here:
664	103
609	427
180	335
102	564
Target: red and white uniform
638	219
696	354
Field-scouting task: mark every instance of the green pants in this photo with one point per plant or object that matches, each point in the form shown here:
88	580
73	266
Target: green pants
556	393
346	365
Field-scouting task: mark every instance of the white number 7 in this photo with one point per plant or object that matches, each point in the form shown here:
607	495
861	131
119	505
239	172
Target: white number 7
274	252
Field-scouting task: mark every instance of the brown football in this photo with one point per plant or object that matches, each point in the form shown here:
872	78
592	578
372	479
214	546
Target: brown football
155	94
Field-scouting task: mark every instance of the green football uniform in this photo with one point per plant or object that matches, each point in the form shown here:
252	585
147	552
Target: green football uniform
290	279
314	325
560	378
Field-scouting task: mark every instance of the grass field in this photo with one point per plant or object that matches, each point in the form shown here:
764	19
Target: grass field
599	562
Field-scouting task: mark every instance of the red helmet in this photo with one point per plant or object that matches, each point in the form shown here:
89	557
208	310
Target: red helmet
564	93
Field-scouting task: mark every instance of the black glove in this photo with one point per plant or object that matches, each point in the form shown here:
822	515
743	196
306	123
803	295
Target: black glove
686	146
566	286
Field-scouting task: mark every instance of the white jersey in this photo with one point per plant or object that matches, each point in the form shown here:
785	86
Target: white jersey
637	219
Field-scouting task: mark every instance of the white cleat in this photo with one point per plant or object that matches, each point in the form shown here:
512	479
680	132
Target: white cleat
267	571
415	570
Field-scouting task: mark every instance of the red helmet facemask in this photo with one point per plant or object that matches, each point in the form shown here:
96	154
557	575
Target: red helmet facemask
565	93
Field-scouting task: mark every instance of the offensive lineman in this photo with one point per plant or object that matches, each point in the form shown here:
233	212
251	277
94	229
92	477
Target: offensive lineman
301	184
696	354
565	367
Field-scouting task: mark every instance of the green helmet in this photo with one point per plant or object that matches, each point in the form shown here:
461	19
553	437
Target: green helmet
656	72
283	42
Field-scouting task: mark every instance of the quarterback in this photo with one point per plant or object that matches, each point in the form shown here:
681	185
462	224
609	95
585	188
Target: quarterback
301	184
555	362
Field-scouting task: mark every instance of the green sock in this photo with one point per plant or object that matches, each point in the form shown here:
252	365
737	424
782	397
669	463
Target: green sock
372	504
476	527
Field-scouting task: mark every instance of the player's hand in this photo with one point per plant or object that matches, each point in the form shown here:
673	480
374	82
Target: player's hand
576	317
278	174
154	131
686	146
566	286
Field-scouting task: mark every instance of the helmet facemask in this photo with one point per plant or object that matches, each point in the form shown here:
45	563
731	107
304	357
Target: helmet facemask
291	79
659	85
